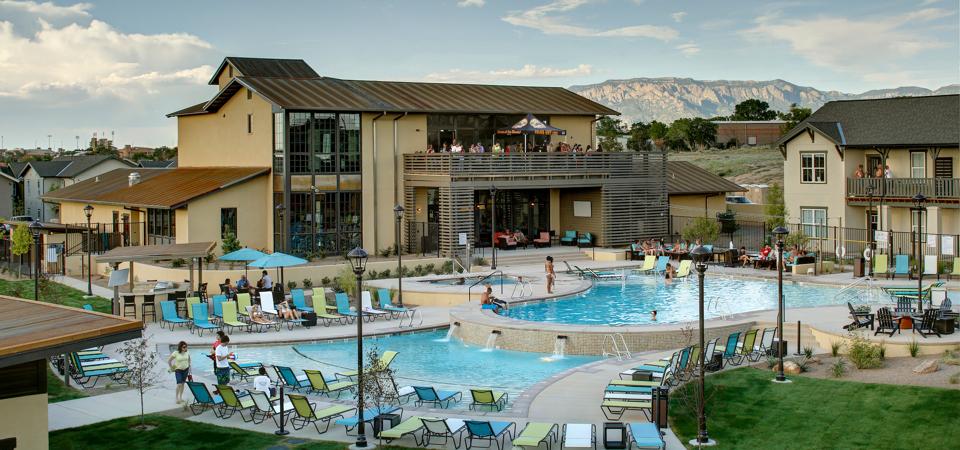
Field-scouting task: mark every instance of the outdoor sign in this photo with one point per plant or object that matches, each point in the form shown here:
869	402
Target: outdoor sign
946	245
932	241
119	277
462	238
881	238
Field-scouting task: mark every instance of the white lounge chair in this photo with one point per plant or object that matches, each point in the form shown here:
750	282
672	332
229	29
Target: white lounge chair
579	435
367	304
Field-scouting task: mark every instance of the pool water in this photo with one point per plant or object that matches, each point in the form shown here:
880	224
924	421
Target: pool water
467	281
632	303
424	359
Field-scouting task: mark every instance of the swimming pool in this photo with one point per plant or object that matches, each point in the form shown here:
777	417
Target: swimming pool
631	304
424	359
467	281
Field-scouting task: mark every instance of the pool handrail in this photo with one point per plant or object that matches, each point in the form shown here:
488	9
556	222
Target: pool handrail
481	280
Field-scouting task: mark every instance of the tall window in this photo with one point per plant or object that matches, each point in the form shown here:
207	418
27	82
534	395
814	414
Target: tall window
814	221
918	166
813	167
161	226
278	131
249	123
228	222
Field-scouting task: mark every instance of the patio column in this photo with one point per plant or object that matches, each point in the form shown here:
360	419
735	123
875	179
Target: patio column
555	210
116	292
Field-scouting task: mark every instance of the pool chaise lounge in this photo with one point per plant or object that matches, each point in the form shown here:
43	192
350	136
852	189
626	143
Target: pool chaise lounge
492	432
203	400
448	429
536	433
265	407
579	435
343	307
320	385
291	380
486	397
244	373
306	413
368	415
233	402
411	427
386	304
168	315
87	375
646	435
439	398
370	313
615	409
299	301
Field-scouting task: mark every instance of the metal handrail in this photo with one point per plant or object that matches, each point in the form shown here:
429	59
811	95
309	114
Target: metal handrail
412	315
903	187
481	280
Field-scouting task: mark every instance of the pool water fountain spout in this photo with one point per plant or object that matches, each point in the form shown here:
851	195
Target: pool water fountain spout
560	347
491	341
451	332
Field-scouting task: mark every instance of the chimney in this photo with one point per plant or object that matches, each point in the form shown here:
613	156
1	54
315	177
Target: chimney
134	178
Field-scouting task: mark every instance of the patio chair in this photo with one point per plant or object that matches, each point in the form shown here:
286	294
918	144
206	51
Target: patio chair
324	386
217	302
640	387
711	349
200	320
956	269
585	240
946	310
89	307
661	266
441	399
306	413
684	270
730	350
649	262
299	300
448	429
368	415
383	295
926	323
385	359
343	307
400	394
168	315
243	305
267	306
203	400
746	347
931	266
369	311
485	397
264	407
615	409
860	319
190	302
886	323
647	435
489	431
543	240
232	403
329	318
579	435
320	299
230	320
901	266
904	306
568	238
536	433
411	426
88	375
766	342
290	379
880	265
244	373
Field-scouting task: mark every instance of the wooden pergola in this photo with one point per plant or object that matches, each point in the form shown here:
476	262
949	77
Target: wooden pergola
149	253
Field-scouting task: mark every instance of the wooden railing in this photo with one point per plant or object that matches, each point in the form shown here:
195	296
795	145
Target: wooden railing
553	164
932	188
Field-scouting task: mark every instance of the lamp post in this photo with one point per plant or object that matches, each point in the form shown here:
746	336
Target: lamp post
780	232
88	211
280	209
493	228
919	206
870	244
699	255
398	211
358	261
35	228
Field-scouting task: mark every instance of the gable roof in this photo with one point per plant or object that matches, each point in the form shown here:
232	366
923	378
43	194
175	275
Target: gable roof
151	164
158	188
891	122
48	169
17	168
69	166
265	67
687	178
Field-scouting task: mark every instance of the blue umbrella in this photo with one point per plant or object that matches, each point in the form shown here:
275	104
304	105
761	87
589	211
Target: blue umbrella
278	260
244	254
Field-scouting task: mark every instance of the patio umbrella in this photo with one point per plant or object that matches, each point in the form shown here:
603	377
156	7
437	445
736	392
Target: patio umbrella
530	125
244	254
278	260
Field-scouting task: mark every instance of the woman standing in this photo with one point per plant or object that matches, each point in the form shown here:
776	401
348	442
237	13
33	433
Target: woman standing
551	275
179	362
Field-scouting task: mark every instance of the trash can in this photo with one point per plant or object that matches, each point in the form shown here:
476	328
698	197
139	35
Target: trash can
642	375
309	319
385	422
661	403
858	267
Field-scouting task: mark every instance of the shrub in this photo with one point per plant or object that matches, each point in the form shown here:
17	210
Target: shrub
179	262
428	269
835	348
418	270
447	267
839	368
291	284
230	243
914	348
307	283
480	261
883	349
772	361
702	228
863	354
346	281
385	274
325	281
808	352
797	238
373	275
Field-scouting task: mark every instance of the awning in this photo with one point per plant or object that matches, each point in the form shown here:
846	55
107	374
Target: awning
531	125
141	253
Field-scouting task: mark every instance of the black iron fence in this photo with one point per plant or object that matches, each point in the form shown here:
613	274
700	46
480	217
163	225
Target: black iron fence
102	237
423	238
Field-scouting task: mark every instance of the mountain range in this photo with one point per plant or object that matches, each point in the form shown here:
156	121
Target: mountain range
668	99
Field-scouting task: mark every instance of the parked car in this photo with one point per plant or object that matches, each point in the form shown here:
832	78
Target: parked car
739	199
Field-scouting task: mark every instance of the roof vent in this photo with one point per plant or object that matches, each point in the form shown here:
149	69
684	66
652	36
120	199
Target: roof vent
134	178
96	179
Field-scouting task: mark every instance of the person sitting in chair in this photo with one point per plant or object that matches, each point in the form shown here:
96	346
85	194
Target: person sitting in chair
743	257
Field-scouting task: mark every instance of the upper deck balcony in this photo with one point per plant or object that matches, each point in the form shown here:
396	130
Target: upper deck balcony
939	191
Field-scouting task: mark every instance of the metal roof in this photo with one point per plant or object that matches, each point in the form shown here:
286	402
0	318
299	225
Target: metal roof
69	166
265	67
137	253
686	178
32	330
158	188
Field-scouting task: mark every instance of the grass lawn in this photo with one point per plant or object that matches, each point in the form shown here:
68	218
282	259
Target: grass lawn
53	293
173	433
57	391
742	165
747	410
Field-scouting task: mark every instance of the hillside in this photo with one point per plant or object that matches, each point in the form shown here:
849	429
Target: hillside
747	165
668	99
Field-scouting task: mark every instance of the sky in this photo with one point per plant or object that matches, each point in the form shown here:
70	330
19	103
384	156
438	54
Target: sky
71	69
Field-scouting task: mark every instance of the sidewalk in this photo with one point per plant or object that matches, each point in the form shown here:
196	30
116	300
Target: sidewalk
99	408
81	285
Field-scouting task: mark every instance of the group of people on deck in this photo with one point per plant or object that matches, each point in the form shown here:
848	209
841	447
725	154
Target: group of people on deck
498	147
879	172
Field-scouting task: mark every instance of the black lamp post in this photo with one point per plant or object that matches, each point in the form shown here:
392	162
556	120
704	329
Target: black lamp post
35	228
398	211
870	244
358	260
700	255
919	207
780	232
88	211
280	210
493	228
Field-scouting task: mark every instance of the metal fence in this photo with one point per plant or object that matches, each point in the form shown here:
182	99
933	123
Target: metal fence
103	237
423	238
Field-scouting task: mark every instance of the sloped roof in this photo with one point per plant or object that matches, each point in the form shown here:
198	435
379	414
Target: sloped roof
266	67
48	169
158	188
68	166
891	122
16	168
687	178
151	164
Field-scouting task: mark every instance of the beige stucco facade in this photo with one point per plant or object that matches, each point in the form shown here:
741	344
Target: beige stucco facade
25	418
697	205
221	139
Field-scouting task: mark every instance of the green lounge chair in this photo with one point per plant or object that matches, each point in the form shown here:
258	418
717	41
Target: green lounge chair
230	319
202	400
190	302
244	373
329	318
168	315
489	431
647	435
536	433
684	270
745	348
442	399
243	303
486	397
879	265
956	269
410	426
901	266
307	414
649	262
385	359
319	384
320	298
232	403
615	409
618	382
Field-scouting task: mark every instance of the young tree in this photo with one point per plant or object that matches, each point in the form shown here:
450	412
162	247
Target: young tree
230	243
141	360
753	109
608	130
639	137
703	133
379	384
22	240
678	135
793	117
775	209
702	228
658	130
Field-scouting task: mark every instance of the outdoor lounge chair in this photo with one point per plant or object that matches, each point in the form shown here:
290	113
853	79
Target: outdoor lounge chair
485	397
901	266
168	315
321	385
368	415
956	269
448	429
386	304
860	319
244	373
232	403
320	300
267	306
88	375
203	400
290	379
190	302
879	265
265	407
243	305
766	342
343	307
931	266
536	433
684	270
646	435
904	306
886	323
307	413
745	348
411	426
543	240
442	399
88	307
615	409
217	302
585	240
640	387
924	326
385	359
600	276
661	266
578	435
229	321
299	301
568	238
946	310
649	262
730	349
369	311
492	432
200	320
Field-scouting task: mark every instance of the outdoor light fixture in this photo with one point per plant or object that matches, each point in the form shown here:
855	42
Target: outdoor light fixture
780	232
700	255
280	209
493	227
919	206
35	228
870	243
358	262
398	211
88	211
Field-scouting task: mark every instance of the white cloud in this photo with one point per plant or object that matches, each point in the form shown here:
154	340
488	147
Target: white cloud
46	9
548	19
90	60
469	3
689	49
527	72
854	45
678	16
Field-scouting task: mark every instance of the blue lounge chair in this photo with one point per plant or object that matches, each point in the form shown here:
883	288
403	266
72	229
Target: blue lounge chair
88	307
492	432
87	375
300	301
646	435
427	394
217	301
200	319
901	266
585	240
291	380
343	307
730	350
568	238
203	400
661	266
168	315
383	295
368	415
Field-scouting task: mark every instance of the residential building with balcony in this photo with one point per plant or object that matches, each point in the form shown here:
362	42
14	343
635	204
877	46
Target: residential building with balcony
917	137
338	155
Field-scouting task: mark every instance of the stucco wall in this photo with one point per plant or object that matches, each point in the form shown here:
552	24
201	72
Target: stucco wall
25	418
693	205
593	224
7	189
221	139
578	129
830	195
252	215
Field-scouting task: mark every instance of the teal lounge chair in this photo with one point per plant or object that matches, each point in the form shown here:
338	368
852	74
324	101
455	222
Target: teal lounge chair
300	301
901	266
568	238
203	400
585	240
200	320
383	295
492	432
88	375
168	315
217	302
343	307
442	399
536	433
368	415
646	435
307	413
88	307
290	379
730	350
661	266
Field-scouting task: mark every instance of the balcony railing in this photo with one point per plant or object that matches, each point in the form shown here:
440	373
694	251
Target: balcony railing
542	164
905	188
